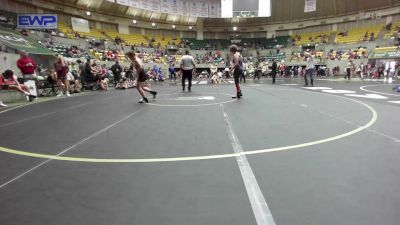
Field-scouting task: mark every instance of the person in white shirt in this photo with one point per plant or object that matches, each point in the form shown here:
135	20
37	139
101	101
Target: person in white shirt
187	68
310	69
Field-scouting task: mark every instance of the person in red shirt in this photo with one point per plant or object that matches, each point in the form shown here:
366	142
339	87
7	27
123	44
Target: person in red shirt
27	65
9	82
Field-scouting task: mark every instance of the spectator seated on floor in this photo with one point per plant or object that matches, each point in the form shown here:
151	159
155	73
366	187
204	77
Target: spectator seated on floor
10	82
102	77
126	80
74	84
156	74
216	78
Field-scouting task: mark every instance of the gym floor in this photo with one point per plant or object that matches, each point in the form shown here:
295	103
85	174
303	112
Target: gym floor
284	155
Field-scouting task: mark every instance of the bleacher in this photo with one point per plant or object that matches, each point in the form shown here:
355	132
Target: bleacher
312	38
59	50
130	39
271	43
393	30
357	34
99	55
385	49
345	55
93	33
165	41
208	43
66	30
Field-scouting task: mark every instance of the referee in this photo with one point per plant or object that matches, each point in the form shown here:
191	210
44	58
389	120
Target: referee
310	69
187	68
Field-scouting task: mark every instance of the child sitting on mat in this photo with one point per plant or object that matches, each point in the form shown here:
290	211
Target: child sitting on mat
10	82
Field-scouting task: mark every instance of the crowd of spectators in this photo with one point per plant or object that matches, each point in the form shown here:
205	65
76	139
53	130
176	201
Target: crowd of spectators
339	54
319	39
347	54
210	58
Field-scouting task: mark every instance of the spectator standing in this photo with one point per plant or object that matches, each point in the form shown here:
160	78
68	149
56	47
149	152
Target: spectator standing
274	71
369	70
116	69
243	75
27	65
62	69
172	74
257	69
282	69
187	68
86	73
348	70
363	70
80	68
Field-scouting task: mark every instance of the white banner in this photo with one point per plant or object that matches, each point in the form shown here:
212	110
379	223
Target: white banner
195	8
219	15
310	5
80	25
184	8
134	3
212	9
199	8
152	5
203	8
264	8
170	6
123	2
227	8
145	5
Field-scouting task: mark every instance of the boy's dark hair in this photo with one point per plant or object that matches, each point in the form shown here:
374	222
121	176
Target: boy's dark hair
233	48
8	74
130	54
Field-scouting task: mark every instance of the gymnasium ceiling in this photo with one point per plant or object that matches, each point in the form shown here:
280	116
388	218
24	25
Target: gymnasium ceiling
282	11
